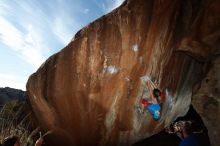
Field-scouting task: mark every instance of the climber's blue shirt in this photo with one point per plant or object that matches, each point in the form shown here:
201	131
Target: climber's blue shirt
154	109
189	141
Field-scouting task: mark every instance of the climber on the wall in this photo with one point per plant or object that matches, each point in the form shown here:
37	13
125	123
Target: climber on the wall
152	98
157	95
154	105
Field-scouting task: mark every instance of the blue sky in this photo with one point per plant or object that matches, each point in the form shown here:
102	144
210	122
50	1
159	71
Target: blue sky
33	30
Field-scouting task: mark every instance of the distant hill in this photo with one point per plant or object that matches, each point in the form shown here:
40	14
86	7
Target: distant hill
8	94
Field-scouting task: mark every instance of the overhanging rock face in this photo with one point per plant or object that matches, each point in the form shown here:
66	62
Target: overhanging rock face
90	92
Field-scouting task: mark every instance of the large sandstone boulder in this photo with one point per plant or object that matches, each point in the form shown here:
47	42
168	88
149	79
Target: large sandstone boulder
207	100
89	93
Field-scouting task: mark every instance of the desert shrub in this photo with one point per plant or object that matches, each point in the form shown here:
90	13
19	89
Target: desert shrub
15	119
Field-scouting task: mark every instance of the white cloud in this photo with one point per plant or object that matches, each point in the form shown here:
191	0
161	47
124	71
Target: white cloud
27	45
64	21
3	8
61	30
111	5
117	3
86	11
13	81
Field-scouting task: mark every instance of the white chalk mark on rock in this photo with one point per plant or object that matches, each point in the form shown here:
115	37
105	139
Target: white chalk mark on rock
135	48
105	62
111	70
127	79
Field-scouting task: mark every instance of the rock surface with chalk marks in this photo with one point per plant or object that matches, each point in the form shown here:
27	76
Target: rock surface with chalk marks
89	93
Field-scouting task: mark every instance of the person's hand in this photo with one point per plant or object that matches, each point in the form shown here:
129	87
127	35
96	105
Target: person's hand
39	142
179	134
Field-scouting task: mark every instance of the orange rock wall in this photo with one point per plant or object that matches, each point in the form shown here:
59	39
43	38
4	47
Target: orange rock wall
89	93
